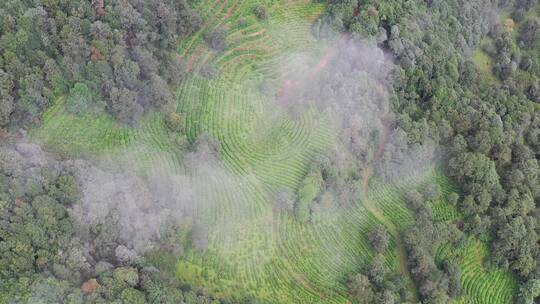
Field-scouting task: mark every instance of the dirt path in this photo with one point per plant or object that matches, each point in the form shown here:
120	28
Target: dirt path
392	229
384	138
374	209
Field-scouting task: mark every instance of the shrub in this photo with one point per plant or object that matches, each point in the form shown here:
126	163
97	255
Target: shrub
217	39
261	12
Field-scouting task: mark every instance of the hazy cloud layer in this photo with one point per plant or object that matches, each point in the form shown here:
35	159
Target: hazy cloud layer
352	84
349	83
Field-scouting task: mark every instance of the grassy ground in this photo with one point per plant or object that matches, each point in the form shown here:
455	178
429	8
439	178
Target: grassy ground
484	63
253	250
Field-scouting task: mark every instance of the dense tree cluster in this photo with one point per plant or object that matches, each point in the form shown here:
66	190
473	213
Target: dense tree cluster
114	55
48	256
516	59
377	284
307	193
261	12
351	92
487	120
332	181
436	283
217	39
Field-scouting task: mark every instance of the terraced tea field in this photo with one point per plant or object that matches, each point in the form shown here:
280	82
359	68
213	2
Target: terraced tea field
252	249
481	283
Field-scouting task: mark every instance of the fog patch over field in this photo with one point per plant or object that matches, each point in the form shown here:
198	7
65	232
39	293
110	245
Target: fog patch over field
119	205
403	160
351	82
148	208
142	209
127	201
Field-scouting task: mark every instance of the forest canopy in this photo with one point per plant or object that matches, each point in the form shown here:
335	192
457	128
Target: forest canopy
490	128
115	56
330	154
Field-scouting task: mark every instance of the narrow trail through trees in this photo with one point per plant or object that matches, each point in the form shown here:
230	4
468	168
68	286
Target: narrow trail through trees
374	209
392	229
